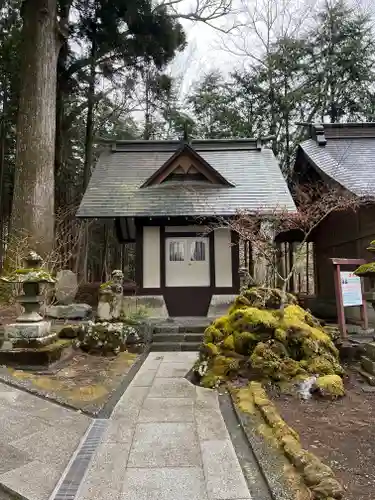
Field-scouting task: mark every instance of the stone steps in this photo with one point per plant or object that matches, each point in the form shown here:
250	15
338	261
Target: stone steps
179	334
175	346
177	337
163	329
368	363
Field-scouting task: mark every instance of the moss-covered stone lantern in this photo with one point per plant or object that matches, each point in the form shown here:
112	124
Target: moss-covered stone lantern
368	271
30	325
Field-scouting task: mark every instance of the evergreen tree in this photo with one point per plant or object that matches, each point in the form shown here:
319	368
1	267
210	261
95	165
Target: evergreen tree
341	62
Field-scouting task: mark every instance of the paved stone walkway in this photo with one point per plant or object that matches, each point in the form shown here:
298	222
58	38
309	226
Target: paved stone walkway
166	440
37	439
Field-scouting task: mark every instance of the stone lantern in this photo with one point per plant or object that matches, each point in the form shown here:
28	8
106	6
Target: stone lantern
30	328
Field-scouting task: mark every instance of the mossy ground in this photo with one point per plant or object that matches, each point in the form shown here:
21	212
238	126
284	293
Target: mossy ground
266	335
85	382
317	476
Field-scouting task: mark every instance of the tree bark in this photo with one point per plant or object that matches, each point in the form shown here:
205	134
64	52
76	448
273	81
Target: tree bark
32	218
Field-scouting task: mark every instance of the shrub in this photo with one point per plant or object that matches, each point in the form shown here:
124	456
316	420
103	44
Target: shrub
105	338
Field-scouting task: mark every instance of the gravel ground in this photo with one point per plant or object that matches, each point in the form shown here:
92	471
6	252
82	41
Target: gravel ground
341	433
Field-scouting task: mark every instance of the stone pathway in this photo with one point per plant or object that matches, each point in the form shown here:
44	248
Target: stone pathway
37	439
166	440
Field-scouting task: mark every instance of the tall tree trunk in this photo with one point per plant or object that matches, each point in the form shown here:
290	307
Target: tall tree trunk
90	118
89	139
148	126
2	168
32	219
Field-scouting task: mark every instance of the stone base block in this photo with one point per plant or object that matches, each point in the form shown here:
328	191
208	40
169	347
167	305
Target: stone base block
368	365
35	358
154	305
68	312
34	342
26	331
370	350
220	304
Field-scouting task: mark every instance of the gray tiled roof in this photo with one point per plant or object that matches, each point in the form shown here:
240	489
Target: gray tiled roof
348	161
114	188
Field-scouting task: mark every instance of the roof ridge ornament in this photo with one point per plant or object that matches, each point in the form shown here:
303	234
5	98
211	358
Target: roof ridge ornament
319	134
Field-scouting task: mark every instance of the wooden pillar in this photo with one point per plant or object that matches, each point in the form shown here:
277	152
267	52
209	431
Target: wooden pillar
291	264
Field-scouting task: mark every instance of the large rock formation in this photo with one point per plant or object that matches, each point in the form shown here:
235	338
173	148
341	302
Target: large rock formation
268	336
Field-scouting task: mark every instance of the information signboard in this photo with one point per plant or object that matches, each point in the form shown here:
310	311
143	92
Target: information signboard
351	289
348	288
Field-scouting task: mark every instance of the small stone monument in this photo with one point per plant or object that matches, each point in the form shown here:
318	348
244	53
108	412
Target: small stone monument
30	327
65	291
66	287
111	297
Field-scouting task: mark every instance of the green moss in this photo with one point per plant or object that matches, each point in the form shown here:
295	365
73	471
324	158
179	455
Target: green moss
221	365
252	319
324	365
281	334
212	349
228	343
365	269
239	303
212	334
222	323
282	345
244	341
28	274
106	285
268	298
211	381
330	386
266	361
60	343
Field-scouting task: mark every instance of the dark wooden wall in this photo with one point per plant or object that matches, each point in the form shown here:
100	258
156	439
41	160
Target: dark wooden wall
342	235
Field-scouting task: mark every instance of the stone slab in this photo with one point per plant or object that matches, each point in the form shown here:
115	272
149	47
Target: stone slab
172	388
69	311
222	470
206	398
50	447
179	357
167	410
60	417
119	431
144	378
210	424
130	404
34	481
152	364
15	425
11	458
173	370
106	473
165	445
173	483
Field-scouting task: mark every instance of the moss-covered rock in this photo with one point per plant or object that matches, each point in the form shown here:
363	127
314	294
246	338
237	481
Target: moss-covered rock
70	332
330	386
365	269
213	334
210	349
211	381
268	298
271	337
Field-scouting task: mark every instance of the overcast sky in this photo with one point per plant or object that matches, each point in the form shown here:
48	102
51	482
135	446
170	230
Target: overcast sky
207	48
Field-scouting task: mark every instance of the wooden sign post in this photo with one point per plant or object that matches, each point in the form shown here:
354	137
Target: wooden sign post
349	292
